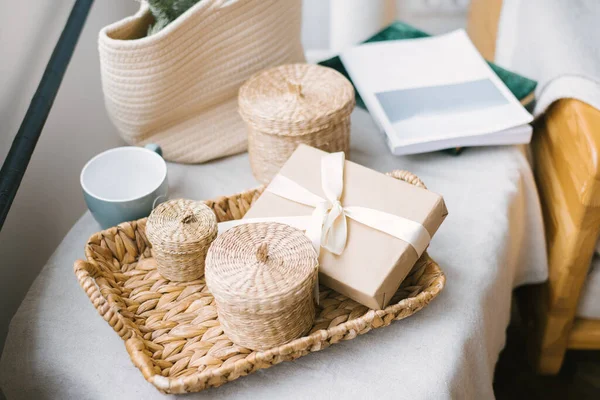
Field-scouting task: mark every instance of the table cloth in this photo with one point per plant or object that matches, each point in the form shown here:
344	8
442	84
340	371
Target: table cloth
492	241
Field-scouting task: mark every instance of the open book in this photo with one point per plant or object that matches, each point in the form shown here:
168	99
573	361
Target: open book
435	93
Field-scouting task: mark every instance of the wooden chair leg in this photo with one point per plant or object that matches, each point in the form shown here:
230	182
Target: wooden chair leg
566	146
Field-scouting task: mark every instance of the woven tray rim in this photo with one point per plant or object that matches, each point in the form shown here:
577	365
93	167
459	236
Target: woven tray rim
86	273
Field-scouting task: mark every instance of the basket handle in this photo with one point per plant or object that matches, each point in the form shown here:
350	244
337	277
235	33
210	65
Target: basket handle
86	273
407	177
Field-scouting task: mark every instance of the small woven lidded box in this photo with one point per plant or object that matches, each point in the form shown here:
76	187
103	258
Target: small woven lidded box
181	231
263	278
292	104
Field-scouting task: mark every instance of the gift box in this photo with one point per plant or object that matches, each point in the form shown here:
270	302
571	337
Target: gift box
377	225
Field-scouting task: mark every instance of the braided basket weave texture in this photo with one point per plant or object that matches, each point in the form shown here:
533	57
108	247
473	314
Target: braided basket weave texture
292	104
263	275
171	329
180	232
178	88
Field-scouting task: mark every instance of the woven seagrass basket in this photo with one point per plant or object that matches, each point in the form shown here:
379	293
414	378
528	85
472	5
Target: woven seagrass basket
181	231
292	104
263	275
178	88
171	329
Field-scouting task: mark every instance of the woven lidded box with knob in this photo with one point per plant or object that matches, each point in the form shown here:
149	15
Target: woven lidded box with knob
292	104
181	232
263	278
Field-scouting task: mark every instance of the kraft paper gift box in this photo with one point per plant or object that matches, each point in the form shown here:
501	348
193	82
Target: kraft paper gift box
373	264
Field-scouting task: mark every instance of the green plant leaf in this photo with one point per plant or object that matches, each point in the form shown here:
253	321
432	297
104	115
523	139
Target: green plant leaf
167	11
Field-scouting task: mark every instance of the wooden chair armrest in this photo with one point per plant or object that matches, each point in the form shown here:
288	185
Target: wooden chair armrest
565	147
568	138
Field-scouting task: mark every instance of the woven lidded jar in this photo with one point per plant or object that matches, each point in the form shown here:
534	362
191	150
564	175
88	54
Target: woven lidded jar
292	104
263	278
181	232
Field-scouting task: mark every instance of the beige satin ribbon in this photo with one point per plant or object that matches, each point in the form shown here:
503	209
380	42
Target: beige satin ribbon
327	226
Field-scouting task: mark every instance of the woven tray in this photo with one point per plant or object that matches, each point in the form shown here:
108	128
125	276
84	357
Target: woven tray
171	330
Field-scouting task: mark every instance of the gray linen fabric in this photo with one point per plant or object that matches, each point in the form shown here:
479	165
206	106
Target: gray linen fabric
492	241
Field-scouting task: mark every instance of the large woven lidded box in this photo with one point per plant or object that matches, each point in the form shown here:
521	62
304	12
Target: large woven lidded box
178	88
263	278
292	104
181	231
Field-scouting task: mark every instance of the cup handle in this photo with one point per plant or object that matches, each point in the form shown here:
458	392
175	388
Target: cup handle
158	200
158	150
155	148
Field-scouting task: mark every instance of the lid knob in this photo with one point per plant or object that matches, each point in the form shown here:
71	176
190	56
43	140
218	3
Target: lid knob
262	253
295	88
189	217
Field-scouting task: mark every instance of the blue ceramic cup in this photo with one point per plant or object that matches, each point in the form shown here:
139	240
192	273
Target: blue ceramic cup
124	184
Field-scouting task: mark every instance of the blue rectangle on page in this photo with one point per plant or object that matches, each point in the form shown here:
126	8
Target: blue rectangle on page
439	100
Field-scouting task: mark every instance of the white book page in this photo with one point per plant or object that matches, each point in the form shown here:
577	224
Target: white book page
432	89
517	135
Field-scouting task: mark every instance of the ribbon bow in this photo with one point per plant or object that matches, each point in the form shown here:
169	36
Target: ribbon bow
327	226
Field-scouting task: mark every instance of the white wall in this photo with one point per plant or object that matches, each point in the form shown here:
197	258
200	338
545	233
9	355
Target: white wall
49	200
432	16
315	24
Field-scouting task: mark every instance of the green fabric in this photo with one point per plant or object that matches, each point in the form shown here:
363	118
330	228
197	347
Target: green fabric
520	86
